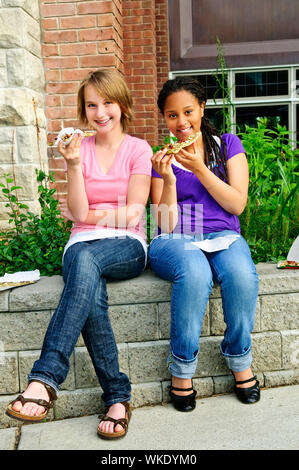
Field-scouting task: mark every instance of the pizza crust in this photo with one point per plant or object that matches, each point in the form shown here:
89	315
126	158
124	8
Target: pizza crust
176	147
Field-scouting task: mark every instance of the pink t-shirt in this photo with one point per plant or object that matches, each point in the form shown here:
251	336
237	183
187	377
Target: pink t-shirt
107	191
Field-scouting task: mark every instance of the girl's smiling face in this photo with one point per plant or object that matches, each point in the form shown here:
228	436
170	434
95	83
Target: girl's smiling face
102	114
183	114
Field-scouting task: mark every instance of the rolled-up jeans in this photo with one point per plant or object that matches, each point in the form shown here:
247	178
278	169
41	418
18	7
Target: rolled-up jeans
192	273
83	307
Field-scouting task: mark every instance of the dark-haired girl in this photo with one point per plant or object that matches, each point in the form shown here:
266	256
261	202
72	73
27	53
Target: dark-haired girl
198	195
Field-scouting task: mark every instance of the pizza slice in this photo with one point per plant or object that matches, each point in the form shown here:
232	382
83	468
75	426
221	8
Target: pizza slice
176	147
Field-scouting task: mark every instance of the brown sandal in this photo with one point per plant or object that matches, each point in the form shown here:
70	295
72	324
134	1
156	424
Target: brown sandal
46	404
124	422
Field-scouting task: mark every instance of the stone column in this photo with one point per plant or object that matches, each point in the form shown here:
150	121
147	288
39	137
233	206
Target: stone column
23	142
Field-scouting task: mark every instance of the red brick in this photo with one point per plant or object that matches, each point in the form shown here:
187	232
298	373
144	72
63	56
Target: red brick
107	46
59	36
75	74
53	100
61	113
97	61
57	163
53	125
72	123
61	62
59	9
69	100
76	22
95	7
78	49
59	87
50	23
49	50
97	34
52	75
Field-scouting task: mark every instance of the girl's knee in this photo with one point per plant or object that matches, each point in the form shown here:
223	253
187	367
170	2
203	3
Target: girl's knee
81	262
194	274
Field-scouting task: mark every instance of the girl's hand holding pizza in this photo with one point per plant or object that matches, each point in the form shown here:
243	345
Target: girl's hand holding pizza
162	165
193	161
71	152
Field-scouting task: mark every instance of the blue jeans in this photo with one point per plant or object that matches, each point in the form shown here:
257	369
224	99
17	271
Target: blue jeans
192	272
83	307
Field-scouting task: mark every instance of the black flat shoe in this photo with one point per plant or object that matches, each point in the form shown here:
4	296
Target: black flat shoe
248	395
183	403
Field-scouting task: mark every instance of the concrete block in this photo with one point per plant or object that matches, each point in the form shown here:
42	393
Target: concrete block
8	438
137	322
281	377
266	351
210	360
147	361
146	394
79	402
19	29
85	373
9	374
25	70
3	70
145	288
43	295
30	6
278	281
11	27
16	107
290	349
4	301
223	384
27	149
23	330
26	361
24	179
280	312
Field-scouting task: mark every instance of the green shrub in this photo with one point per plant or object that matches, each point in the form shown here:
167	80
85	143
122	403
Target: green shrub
34	241
270	222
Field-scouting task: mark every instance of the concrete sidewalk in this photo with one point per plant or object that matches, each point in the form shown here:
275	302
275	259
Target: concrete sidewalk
218	422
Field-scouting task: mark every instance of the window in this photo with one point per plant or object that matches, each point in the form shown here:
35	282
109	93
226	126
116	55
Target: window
273	83
271	92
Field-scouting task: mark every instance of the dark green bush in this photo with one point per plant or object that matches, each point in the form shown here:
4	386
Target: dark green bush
34	241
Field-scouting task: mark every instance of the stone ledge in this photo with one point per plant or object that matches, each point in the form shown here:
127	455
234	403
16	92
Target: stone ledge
139	310
146	288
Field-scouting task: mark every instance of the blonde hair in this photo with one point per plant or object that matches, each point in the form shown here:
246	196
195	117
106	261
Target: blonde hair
109	84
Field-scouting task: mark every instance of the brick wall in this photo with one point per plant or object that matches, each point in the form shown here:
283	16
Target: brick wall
162	55
140	65
79	36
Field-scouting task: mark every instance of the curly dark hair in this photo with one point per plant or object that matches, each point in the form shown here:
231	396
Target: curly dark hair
214	158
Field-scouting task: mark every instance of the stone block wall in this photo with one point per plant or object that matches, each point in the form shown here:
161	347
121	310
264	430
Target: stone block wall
23	142
140	316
